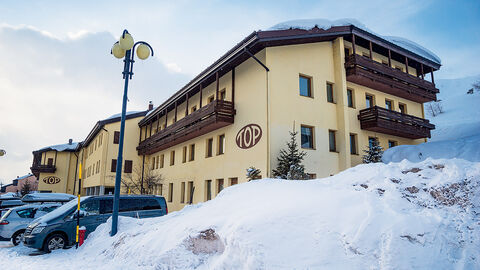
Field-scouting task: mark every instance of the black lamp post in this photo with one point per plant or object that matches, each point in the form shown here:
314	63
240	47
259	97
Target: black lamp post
123	49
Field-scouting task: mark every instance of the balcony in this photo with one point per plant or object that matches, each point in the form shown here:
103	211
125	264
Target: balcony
385	121
367	72
37	168
215	115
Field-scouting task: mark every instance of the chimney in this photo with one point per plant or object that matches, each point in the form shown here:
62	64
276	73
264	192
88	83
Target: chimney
150	105
70	141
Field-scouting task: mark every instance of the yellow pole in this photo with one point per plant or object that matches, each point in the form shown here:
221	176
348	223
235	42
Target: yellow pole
78	202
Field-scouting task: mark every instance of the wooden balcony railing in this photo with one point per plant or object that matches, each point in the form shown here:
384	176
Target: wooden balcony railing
37	168
367	72
394	123
217	114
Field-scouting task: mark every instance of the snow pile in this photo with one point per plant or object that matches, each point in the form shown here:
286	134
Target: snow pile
308	24
374	216
61	147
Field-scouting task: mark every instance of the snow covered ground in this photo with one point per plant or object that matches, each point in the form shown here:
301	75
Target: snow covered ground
377	216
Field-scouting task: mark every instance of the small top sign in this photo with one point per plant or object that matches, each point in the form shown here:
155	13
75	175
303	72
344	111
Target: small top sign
248	136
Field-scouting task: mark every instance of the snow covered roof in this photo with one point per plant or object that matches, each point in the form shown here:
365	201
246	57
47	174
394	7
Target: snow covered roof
23	177
126	114
325	24
60	147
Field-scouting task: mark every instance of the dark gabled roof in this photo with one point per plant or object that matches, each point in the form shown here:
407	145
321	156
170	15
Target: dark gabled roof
259	40
73	147
112	119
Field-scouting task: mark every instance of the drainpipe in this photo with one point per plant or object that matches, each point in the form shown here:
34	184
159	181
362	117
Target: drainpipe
143	168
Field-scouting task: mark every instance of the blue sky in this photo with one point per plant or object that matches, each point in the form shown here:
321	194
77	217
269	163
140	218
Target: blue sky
56	54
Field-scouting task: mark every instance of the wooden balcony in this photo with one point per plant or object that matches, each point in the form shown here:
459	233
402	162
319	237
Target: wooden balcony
364	71
217	114
385	121
37	168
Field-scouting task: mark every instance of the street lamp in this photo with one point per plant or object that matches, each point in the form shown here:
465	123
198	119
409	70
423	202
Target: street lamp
123	49
2	152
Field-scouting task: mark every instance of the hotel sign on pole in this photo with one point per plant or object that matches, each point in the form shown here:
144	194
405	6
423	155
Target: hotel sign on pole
248	136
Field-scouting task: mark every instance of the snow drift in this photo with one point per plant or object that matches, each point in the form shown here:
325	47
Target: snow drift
376	216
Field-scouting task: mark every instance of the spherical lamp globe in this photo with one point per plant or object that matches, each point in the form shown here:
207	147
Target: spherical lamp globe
143	51
117	51
126	41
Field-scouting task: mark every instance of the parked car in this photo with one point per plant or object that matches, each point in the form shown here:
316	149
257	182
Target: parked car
14	222
48	197
57	229
6	204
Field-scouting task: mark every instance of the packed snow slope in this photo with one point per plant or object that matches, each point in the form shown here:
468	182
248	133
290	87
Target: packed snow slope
457	129
376	216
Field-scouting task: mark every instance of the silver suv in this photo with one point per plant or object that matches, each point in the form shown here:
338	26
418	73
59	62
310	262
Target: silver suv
14	222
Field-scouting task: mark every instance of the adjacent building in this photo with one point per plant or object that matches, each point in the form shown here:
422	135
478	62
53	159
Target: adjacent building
18	184
341	88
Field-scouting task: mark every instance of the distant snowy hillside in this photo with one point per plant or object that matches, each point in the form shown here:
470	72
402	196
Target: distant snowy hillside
461	117
373	216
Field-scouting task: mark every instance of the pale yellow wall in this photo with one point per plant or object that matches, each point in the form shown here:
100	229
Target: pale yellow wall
250	97
65	171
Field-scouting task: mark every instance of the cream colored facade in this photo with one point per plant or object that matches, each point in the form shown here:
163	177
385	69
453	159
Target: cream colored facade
264	90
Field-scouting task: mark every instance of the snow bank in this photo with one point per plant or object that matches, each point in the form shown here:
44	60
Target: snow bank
375	216
464	148
325	24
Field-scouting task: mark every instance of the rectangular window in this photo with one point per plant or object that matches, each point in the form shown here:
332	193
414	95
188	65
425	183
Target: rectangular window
221	144
114	166
332	141
372	141
184	154
208	189
170	192
353	144
211	98
350	98
330	97
93	170
305	84
50	161
307	137
160	189
222	94
172	158
370	102
157	161
190	192
153	163
182	194
219	185
128	166
209	150
392	143
388	104
116	137
192	152
402	107
233	181
162	160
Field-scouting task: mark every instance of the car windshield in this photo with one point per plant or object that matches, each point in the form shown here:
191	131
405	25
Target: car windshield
60	210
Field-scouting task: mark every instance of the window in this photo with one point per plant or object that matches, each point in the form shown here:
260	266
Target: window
182	194
330	93
219	185
128	166
347	52
162	159
50	161
160	189
194	108
221	144
388	104
222	94
184	154
100	139
95	144
211	98
391	143
209	150
305	86
172	158
372	141
191	189
93	170
402	107
353	144
91	207
312	175
369	100
116	137
27	213
350	98
192	152
332	142
170	192
114	166
307	137
153	163
233	181
208	189
157	161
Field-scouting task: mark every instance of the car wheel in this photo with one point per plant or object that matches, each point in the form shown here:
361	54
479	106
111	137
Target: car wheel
54	241
17	237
